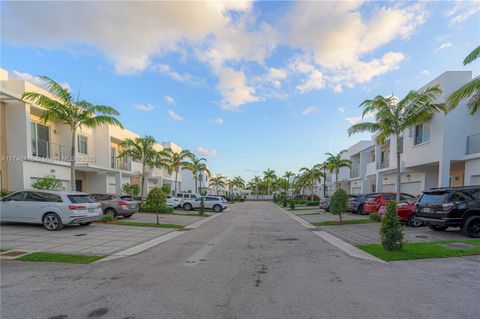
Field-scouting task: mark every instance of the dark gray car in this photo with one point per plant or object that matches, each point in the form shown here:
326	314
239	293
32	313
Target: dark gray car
123	205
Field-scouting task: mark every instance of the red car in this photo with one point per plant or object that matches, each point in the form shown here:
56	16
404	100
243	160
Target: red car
374	202
406	213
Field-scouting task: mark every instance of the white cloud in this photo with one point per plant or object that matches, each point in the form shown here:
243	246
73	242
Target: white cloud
207	153
170	100
174	116
17	75
217	121
443	46
462	10
183	78
144	107
341	109
357	119
309	110
425	72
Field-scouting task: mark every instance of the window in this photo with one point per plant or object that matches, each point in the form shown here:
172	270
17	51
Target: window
406	197
82	144
17	197
76	199
113	156
43	197
422	133
40	140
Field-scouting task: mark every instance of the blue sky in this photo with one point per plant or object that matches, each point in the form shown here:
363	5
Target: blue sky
249	85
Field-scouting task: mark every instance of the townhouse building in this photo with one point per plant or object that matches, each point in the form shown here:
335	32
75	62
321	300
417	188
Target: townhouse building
444	151
31	149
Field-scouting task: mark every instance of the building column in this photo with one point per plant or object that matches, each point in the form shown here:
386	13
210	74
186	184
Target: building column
118	183
379	182
444	173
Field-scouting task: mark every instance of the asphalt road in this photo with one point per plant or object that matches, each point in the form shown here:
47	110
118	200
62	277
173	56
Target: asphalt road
252	262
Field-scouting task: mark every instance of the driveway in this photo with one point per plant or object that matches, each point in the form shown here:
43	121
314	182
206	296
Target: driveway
95	239
164	218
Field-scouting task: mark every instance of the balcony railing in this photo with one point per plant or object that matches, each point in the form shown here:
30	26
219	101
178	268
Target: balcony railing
383	164
121	164
354	173
47	149
473	144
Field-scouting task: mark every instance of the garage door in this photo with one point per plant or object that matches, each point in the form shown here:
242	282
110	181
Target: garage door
475	180
412	188
388	188
356	190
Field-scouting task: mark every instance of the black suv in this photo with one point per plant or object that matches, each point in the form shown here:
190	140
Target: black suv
440	208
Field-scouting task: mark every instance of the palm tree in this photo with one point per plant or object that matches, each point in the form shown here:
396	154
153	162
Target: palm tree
175	161
324	167
392	118
287	176
198	166
217	182
312	174
470	91
238	182
257	181
75	114
335	162
269	177
140	149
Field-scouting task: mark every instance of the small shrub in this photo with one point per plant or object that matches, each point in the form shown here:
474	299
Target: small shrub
285	202
374	216
166	188
108	218
161	210
157	200
275	198
131	189
4	192
391	231
48	183
339	203
314	203
292	204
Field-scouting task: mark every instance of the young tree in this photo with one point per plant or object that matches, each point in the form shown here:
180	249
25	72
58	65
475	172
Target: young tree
470	91
131	189
75	114
48	183
175	161
335	162
339	202
156	200
140	149
391	230
392	118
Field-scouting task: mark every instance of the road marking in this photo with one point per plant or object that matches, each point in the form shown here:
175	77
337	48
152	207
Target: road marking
346	247
202	253
154	242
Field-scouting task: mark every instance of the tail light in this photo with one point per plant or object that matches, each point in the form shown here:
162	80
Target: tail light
122	203
74	207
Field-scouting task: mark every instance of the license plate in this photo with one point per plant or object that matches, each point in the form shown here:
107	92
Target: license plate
132	206
91	210
426	209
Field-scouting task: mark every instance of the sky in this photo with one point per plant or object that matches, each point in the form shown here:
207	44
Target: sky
248	85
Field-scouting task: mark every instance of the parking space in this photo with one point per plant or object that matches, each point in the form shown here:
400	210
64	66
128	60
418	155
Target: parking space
95	239
368	234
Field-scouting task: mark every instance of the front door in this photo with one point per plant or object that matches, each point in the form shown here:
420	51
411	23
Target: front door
78	185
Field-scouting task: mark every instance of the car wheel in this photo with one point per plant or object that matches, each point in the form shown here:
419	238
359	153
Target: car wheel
414	221
110	211
127	216
52	222
187	207
85	224
360	210
437	228
217	208
471	227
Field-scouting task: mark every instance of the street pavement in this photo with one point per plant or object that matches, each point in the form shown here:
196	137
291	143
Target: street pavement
254	261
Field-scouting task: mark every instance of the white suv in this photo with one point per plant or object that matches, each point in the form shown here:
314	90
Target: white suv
217	203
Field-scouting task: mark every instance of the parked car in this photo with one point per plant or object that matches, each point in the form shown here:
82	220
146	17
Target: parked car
217	203
123	205
405	212
52	209
374	202
186	196
356	202
325	203
173	202
440	208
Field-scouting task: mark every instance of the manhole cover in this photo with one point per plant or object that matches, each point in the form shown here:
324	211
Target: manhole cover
458	245
80	235
14	253
421	236
287	239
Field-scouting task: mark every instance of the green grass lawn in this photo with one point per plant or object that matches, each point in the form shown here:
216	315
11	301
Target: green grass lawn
423	250
139	224
345	222
60	258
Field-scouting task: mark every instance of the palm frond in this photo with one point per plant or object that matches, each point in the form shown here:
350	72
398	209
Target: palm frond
363	127
471	89
475	54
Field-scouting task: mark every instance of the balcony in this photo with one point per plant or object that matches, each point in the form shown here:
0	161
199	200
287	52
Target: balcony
354	173
122	164
47	149
383	164
473	144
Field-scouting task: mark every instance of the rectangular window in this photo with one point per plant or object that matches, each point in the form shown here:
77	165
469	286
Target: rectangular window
40	140
82	144
422	133
113	156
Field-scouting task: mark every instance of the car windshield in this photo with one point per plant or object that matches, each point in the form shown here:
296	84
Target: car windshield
81	199
127	198
436	197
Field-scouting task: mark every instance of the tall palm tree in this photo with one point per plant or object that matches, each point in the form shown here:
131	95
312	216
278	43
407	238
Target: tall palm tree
392	118
324	167
287	176
470	91
312	174
198	166
269	177
175	161
140	149
75	114
335	162
238	182
217	182
257	181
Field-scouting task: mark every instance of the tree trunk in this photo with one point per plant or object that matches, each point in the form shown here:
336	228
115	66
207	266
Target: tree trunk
199	190
324	183
73	185
176	176
142	192
196	181
336	180
397	149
